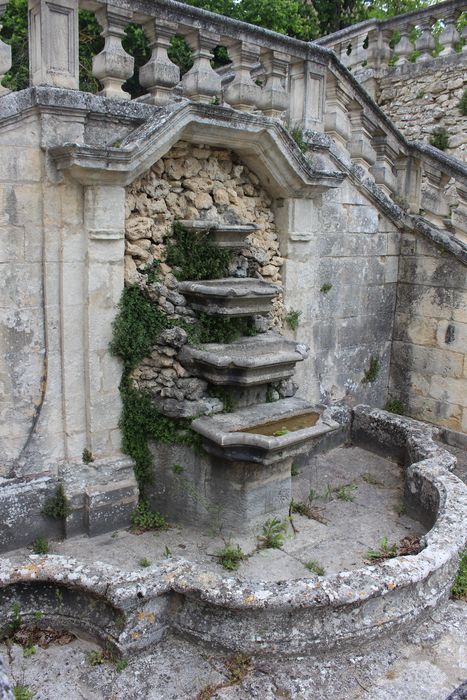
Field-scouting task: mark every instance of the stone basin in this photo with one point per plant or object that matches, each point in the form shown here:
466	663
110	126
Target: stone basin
226	236
265	358
230	296
241	435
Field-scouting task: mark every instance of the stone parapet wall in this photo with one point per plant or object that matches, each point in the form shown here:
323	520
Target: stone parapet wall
420	98
429	362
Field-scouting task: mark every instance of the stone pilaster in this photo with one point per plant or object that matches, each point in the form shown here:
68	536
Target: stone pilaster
425	42
53	43
275	98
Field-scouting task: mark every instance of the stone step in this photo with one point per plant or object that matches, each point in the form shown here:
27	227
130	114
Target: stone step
249	361
266	433
227	236
230	296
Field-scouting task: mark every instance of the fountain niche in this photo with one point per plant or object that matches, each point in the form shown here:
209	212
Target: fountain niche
242	475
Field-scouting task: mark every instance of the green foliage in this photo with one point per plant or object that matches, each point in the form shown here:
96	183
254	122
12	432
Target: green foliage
373	370
273	534
224	394
194	257
177	469
281	431
87	456
395	406
22	692
292	319
346	492
96	657
151	271
440	138
371	479
300	508
459	589
144	562
217	329
230	557
15	33
57	506
29	651
143	518
294	470
325	288
314	567
40	546
463	103
385	551
136	328
121	665
16	619
297	135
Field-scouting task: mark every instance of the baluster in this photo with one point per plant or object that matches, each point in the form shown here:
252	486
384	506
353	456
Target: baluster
359	146
384	169
449	36
113	66
379	51
425	42
5	54
274	98
404	47
243	93
201	83
336	117
159	75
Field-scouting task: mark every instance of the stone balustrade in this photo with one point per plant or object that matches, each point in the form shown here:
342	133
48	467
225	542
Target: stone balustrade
379	44
301	83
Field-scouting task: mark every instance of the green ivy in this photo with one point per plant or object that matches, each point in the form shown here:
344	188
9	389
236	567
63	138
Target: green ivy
194	257
216	329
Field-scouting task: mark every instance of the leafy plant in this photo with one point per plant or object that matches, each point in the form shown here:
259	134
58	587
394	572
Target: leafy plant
440	138
143	518
299	507
96	657
395	406
297	135
385	551
16	619
40	545
345	492
373	370
151	271
314	567
459	589
58	506
230	557
121	665
216	329
29	651
225	395
177	469
463	103
292	319
325	288
22	692
273	534
145	562
194	257
281	431
87	456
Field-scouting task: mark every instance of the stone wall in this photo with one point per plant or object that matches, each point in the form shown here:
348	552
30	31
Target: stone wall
421	97
429	362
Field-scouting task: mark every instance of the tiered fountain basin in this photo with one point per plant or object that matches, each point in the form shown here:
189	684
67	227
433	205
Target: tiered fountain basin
132	610
266	433
232	296
262	359
226	236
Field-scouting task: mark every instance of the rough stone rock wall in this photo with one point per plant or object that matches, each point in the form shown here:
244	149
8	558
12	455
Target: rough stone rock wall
419	98
202	183
429	362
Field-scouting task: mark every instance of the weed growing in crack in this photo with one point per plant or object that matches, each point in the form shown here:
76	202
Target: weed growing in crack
273	534
230	557
325	288
143	519
58	506
371	479
121	665
459	589
87	457
373	370
314	567
385	551
292	319
40	546
144	562
395	406
22	692
194	257
346	492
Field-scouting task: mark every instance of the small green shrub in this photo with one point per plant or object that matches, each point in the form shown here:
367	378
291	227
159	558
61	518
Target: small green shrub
225	395
292	319
459	589
440	138
16	619
346	492
87	456
194	257
22	692
151	271
230	557
463	103
143	518
297	135
385	551
40	546
145	562
58	506
216	329
96	657
325	288
29	651
314	567
395	406
273	534
372	372
121	665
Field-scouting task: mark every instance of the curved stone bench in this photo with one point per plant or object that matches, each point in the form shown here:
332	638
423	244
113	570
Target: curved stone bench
131	610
